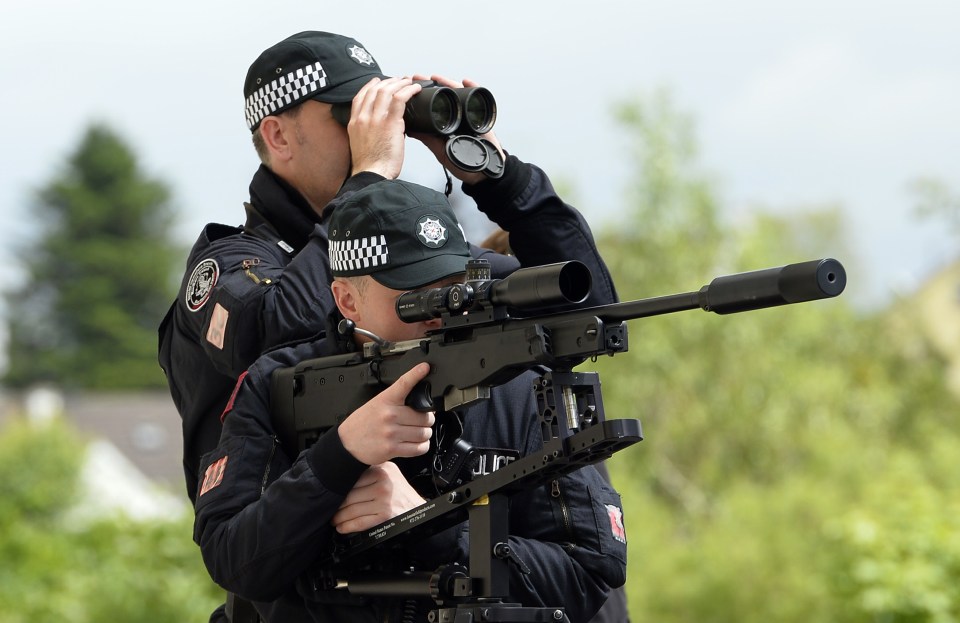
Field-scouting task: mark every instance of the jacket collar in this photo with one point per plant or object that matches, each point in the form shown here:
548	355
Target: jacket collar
277	210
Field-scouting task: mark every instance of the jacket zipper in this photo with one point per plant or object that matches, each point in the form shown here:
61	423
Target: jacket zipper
558	495
250	263
266	472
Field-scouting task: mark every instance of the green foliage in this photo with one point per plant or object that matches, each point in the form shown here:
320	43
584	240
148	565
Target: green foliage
900	542
800	462
98	274
55	569
37	478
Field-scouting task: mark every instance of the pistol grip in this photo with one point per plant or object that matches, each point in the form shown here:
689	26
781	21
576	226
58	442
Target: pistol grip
419	397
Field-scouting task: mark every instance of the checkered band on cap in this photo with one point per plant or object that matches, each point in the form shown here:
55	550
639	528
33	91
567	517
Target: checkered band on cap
360	253
283	91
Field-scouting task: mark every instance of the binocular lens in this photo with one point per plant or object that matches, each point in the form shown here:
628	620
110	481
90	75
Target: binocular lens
479	109
444	112
434	110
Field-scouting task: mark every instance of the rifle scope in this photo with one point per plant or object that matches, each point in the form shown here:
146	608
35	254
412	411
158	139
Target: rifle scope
538	286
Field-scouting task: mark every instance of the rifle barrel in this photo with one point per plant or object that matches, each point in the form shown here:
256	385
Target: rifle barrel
628	310
769	287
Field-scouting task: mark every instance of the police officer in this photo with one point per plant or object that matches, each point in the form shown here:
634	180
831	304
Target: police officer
266	514
248	289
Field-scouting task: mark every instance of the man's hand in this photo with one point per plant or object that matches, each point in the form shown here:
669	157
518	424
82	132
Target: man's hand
437	144
376	127
381	493
384	428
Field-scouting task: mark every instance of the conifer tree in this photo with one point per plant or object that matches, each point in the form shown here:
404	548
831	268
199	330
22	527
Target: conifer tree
98	273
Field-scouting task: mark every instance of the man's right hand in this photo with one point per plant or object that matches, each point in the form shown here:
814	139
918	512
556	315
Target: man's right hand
385	428
376	127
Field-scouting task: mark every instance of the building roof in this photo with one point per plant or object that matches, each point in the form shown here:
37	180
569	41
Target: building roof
143	426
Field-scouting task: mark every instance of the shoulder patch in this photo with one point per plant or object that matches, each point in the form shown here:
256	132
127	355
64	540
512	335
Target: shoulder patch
218	325
201	283
617	530
214	475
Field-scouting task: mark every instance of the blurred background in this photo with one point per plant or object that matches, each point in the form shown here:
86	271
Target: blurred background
799	462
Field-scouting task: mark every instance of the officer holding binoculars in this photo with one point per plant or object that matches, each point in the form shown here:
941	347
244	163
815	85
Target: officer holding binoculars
326	123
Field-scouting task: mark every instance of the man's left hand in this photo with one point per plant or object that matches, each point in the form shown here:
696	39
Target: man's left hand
379	494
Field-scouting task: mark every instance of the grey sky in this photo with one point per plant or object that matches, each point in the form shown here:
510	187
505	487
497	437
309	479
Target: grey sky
796	103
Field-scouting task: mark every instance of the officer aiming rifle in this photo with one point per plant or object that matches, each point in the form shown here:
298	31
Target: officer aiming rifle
490	333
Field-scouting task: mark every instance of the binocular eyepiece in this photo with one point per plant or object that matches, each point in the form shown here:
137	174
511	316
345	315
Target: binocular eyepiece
462	114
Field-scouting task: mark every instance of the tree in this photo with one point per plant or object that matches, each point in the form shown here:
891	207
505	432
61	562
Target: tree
799	462
98	274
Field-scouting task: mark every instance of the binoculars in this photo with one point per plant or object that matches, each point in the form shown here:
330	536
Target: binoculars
442	110
462	114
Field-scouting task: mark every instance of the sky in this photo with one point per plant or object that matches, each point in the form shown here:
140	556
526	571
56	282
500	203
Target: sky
796	104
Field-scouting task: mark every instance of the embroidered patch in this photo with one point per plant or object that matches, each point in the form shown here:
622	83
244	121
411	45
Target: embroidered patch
283	91
214	475
358	253
432	232
218	325
359	55
201	283
617	529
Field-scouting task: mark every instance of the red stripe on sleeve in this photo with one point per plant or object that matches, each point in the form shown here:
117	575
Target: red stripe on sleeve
233	396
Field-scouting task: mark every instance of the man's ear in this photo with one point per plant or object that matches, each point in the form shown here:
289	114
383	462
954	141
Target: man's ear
347	298
276	136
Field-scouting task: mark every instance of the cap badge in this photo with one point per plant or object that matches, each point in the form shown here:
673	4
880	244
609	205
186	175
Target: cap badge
432	232
360	55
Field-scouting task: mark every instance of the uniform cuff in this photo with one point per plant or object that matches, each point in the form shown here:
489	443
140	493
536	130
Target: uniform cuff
361	179
333	466
515	179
